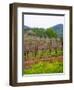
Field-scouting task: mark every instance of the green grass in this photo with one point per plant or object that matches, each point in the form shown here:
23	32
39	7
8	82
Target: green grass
45	67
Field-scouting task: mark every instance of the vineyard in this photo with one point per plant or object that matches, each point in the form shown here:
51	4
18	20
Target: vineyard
43	51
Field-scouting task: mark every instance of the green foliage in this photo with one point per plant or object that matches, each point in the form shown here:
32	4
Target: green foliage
45	67
41	32
50	33
59	53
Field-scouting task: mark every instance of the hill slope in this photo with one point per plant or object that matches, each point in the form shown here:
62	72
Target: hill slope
58	29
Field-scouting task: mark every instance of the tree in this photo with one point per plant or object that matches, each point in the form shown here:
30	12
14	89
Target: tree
51	33
39	32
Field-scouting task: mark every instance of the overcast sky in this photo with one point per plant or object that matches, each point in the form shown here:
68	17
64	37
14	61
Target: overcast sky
42	21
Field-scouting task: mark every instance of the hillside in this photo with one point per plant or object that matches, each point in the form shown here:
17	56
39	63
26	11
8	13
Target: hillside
58	29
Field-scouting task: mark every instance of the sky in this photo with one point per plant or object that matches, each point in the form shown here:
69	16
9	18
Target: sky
42	21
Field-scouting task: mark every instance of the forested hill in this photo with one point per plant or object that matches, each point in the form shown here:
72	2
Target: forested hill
57	29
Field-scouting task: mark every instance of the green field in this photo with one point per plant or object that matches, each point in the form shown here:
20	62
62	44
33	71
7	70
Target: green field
45	67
